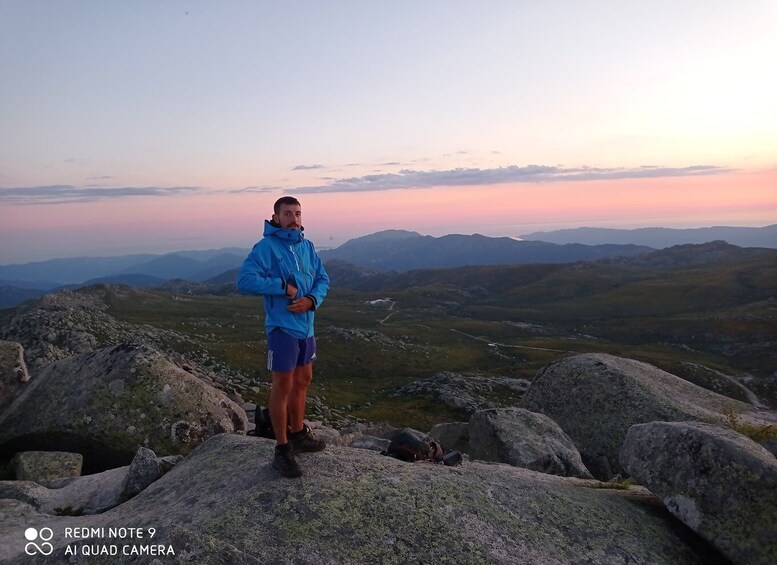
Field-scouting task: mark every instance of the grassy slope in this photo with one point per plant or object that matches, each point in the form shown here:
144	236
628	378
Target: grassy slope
693	323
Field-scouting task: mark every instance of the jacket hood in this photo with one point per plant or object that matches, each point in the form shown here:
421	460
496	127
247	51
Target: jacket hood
274	230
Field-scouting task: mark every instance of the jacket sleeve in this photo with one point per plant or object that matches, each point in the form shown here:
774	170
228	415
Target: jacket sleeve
321	279
255	276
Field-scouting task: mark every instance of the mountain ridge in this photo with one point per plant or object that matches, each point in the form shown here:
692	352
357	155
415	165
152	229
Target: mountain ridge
765	236
386	251
455	250
76	270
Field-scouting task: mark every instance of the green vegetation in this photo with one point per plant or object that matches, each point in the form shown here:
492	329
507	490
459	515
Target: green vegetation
755	432
710	324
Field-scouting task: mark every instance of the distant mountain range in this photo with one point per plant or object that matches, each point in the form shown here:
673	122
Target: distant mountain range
196	265
495	278
31	280
391	250
397	250
660	238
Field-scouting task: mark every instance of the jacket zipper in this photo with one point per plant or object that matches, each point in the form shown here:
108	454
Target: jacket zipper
303	273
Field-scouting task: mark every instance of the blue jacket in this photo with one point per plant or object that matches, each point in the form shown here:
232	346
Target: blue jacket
284	256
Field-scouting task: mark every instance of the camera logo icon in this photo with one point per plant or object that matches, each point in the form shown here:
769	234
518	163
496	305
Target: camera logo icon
44	535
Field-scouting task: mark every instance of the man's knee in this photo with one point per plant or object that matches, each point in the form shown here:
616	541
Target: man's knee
283	381
303	375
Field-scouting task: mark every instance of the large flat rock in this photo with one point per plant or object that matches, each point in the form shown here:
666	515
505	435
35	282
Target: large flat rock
224	504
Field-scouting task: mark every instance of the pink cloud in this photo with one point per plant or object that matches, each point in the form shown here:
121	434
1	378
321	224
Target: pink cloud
219	219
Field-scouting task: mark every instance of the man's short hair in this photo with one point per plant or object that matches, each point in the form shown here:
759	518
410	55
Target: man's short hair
288	200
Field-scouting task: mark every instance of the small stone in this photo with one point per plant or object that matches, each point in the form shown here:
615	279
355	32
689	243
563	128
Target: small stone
46	465
144	470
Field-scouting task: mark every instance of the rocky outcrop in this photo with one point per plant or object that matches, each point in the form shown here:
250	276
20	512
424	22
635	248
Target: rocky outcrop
69	323
144	470
468	393
225	504
596	398
57	326
107	403
718	482
360	334
524	439
13	372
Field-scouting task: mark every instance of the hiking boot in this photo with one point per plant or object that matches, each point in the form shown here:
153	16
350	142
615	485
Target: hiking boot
304	441
284	461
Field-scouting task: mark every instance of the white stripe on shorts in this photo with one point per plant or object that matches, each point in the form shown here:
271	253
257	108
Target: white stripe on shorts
269	359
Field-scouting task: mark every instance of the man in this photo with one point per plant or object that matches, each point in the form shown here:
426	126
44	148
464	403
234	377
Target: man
285	268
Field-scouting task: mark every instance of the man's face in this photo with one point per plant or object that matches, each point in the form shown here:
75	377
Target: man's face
289	216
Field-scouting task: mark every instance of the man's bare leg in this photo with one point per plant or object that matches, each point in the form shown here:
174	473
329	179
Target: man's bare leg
298	394
279	406
302	440
283	460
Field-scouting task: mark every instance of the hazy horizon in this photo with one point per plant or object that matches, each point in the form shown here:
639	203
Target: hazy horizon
164	248
155	127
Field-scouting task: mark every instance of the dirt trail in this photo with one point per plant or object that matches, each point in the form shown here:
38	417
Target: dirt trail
515	346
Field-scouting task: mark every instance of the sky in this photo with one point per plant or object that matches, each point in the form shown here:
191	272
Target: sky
146	126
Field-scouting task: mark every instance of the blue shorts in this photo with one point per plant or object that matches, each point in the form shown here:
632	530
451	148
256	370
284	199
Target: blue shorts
285	352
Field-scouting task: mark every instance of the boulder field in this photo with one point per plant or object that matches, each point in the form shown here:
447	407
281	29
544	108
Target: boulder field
597	397
704	492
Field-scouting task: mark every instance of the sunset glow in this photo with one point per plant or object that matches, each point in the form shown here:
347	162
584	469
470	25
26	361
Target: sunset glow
501	119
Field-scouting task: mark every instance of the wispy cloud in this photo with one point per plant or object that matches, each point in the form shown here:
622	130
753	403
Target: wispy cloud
253	189
410	179
67	194
307	167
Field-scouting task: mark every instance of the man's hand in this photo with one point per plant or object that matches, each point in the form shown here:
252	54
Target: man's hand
301	305
291	291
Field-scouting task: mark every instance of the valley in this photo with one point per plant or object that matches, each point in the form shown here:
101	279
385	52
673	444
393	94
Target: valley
372	342
712	322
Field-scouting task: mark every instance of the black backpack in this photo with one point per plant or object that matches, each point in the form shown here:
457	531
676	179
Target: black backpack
411	445
263	424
